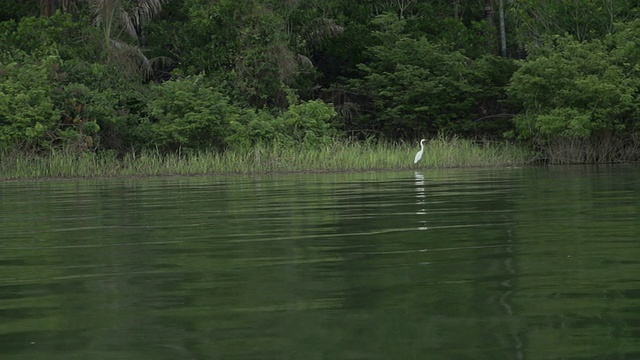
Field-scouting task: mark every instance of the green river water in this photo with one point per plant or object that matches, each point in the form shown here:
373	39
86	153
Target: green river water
523	263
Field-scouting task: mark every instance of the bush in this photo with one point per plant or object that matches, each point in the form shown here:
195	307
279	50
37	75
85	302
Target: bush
304	124
40	36
573	89
28	115
45	104
579	100
188	113
308	123
81	111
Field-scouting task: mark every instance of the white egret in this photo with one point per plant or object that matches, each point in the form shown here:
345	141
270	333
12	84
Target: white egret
419	154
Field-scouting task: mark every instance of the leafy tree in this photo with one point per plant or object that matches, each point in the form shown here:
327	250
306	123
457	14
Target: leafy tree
572	90
584	19
258	50
242	45
412	86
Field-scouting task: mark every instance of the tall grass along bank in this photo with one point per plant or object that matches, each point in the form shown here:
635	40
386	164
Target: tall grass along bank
339	156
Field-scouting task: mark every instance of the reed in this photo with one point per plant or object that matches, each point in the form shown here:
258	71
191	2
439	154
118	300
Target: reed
337	156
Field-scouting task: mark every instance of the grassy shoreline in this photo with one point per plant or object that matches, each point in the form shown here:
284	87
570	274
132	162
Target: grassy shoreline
336	157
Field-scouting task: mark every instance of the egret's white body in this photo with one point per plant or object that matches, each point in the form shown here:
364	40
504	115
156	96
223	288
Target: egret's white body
419	154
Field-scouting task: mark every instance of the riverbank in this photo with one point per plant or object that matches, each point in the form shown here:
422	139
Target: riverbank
340	156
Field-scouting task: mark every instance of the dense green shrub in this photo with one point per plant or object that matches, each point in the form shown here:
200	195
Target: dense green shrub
117	105
82	111
573	89
580	99
303	124
189	113
308	122
50	103
41	36
43	106
28	115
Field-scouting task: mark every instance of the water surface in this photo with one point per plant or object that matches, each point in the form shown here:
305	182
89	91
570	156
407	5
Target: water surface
531	263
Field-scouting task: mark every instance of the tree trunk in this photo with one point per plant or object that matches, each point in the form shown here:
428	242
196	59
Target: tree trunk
489	14
503	34
48	7
456	9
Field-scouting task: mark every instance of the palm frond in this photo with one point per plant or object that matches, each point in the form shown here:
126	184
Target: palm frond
326	28
161	62
128	23
117	17
305	61
148	9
